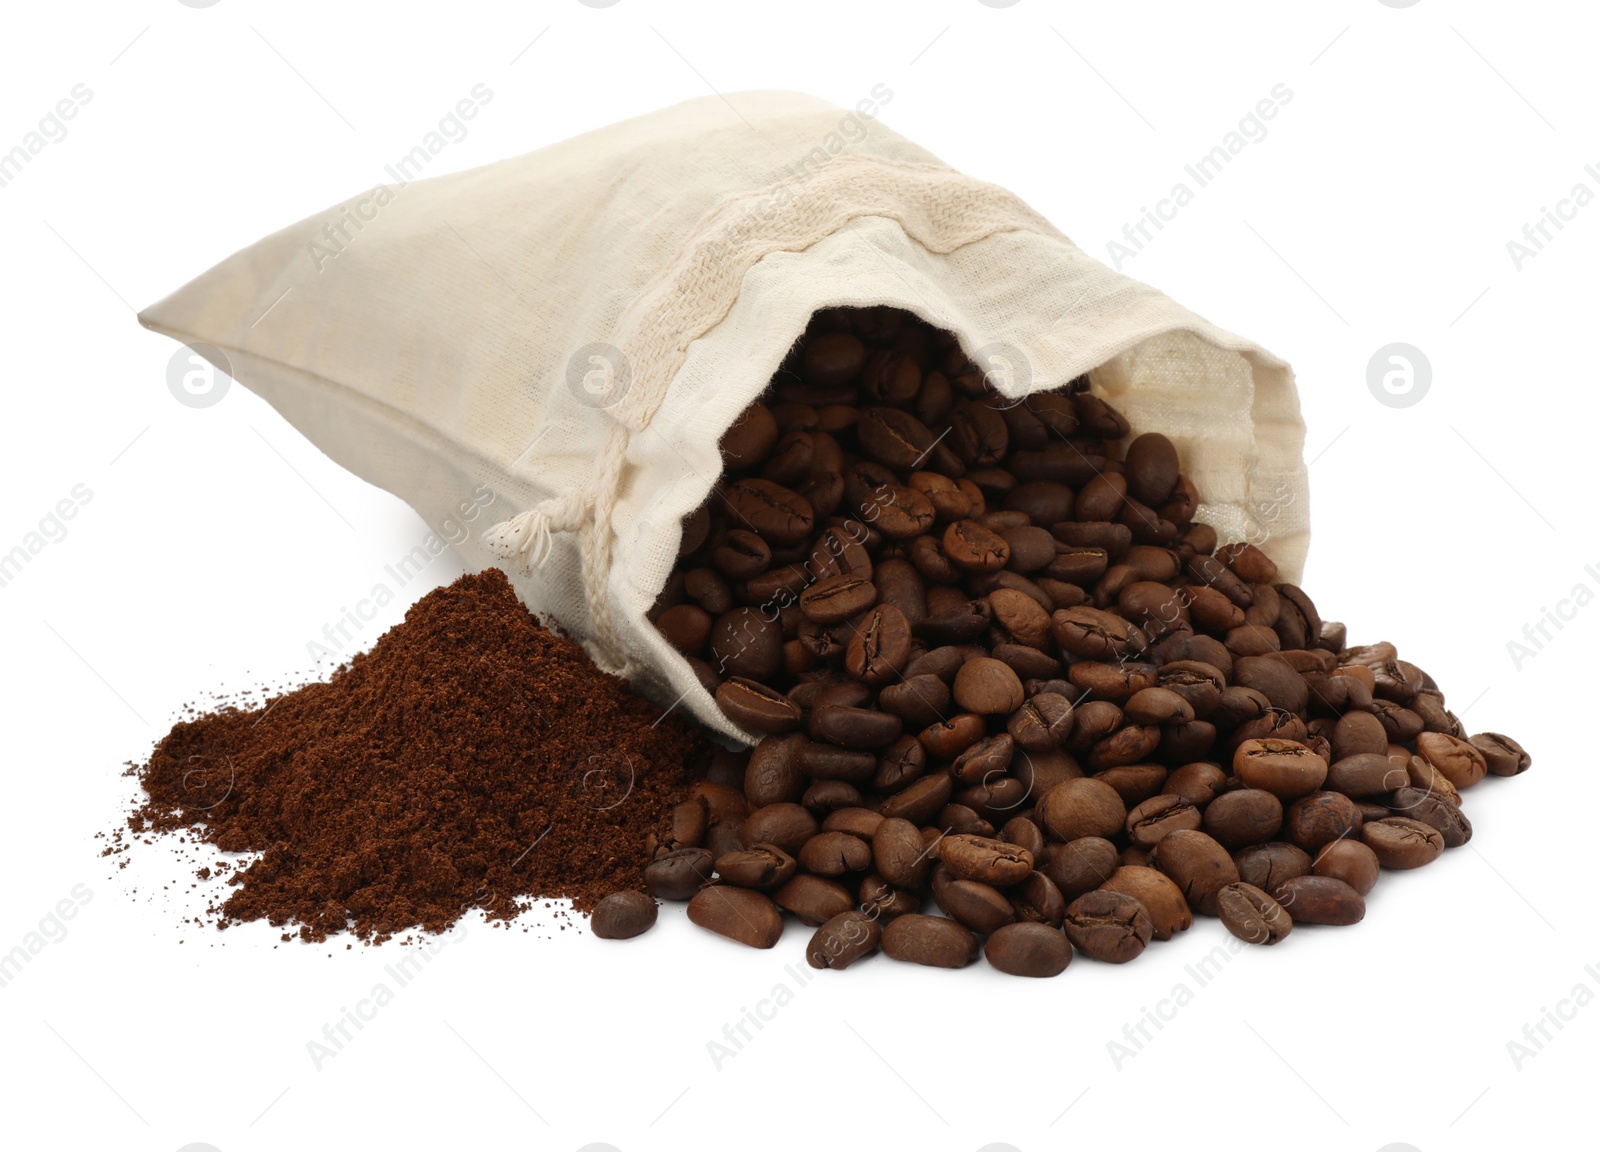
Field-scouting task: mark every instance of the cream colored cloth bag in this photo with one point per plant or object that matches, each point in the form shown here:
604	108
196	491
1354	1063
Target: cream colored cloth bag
574	330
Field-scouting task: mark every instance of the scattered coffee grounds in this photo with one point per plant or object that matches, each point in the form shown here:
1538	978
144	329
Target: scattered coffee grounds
999	667
472	759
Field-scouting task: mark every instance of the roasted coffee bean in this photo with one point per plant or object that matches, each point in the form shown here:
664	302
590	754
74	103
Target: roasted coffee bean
898	853
679	875
1135	783
1198	865
1081	865
894	437
1502	755
971	903
1243	817
987	687
1365	774
746	643
1286	768
814	899
974	548
1358	734
623	915
917	700
1320	900
880	647
1350	861
774	774
989	861
1152	464
830	359
1158	706
1156	817
1461	763
1028	949
1090	634
919	801
740	914
1037	898
1252	915
1084	807
843	940
1108	926
930	940
837	599
786	825
756	708
858	728
835	854
1321	818
1401	842
862	822
687	627
1268	865
1426	778
1199	782
884	901
758	866
1117	683
988	759
1043	722
1168	911
777	514
1435	811
750	439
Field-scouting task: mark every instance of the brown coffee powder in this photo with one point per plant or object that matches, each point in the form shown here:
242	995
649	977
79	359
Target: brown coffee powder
472	759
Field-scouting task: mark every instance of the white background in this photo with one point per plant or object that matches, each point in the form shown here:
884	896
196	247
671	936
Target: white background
217	543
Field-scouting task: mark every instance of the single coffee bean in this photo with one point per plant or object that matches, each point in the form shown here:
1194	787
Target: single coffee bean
1461	763
623	915
756	708
1502	755
835	854
1199	782
746	643
1321	818
858	728
786	825
1037	898
758	866
880	647
1152	463
986	860
774	774
1366	774
930	940
777	514
830	359
975	905
1198	865
742	915
1108	926
1154	818
1268	865
1028	949
1252	915
987	687
1286	768
1320	900
1426	778
1350	861
843	940
975	548
1081	865
1169	912
1435	811
1091	634
679	875
1084	807
862	822
920	800
1244	816
894	437
1400	842
837	598
814	899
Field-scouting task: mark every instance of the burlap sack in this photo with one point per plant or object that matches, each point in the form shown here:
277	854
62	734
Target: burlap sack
574	330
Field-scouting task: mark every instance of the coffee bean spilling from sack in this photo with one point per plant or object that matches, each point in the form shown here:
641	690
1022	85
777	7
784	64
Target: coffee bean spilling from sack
995	662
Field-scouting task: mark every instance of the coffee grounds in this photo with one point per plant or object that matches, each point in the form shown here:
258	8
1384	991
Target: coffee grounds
471	759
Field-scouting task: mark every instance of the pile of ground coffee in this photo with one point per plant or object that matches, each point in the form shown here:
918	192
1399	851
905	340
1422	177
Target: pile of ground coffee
472	759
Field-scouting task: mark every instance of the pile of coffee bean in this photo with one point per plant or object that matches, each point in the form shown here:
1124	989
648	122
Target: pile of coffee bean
996	662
